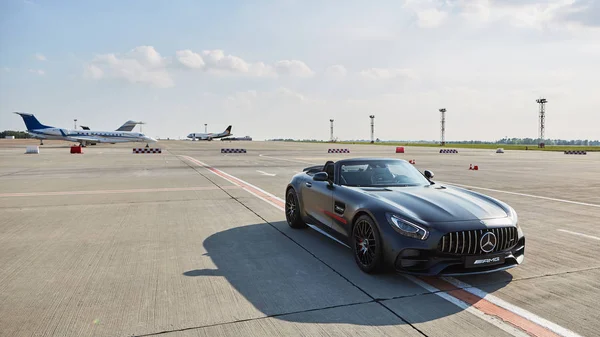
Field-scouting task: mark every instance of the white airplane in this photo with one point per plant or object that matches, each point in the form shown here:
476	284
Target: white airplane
83	137
210	136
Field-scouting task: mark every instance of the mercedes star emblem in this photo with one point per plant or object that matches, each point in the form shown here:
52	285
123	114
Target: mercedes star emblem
488	242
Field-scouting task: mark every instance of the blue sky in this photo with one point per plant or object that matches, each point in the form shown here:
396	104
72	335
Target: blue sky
284	68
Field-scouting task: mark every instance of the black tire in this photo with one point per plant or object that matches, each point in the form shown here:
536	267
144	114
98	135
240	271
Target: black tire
366	245
292	210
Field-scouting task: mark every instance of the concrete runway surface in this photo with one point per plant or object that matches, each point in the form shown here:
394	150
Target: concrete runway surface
192	242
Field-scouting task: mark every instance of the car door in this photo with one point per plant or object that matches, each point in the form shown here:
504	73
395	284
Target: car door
317	198
342	201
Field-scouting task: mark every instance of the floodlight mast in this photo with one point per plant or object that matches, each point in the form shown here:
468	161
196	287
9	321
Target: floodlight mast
331	126
443	127
372	128
542	102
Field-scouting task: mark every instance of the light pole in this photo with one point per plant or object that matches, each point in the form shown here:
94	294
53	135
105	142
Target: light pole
542	102
205	128
443	127
75	123
331	136
372	128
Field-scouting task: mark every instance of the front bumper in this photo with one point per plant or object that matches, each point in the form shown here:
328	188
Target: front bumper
419	261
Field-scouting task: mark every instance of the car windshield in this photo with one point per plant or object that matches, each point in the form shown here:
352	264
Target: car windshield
380	173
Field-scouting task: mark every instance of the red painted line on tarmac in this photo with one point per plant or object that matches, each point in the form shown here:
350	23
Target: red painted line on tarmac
141	190
489	308
250	188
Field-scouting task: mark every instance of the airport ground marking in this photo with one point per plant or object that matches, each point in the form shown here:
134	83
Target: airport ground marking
499	323
517	310
266	174
96	192
579	234
524	195
285	159
510	318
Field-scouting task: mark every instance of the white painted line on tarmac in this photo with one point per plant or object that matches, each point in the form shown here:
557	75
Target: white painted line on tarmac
510	318
579	234
523	194
266	174
290	160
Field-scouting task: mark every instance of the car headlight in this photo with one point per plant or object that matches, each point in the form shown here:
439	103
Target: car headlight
408	228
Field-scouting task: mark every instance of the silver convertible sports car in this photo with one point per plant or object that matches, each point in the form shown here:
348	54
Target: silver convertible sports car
395	217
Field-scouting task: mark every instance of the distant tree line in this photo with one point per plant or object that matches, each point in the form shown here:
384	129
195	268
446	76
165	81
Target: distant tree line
532	141
17	134
508	141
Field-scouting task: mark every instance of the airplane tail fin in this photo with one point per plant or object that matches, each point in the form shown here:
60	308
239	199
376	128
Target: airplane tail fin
31	122
85	127
228	130
128	126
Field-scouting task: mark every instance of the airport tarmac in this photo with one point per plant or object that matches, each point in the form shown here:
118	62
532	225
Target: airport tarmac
192	242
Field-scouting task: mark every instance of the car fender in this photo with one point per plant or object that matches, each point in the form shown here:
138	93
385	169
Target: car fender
295	185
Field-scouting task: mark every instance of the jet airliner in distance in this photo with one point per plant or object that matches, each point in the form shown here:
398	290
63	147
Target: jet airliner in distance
83	137
210	136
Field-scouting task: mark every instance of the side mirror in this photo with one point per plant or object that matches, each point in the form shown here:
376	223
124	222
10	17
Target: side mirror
321	176
428	174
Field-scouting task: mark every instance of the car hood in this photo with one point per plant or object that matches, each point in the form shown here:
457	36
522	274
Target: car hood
435	203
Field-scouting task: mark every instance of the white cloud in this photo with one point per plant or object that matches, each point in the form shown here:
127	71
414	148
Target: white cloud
147	56
429	13
336	70
537	14
6	69
40	57
431	18
217	62
261	69
293	68
142	64
387	73
288	93
37	71
93	72
190	59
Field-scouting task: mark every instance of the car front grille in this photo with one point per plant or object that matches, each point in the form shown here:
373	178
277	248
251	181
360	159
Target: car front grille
469	242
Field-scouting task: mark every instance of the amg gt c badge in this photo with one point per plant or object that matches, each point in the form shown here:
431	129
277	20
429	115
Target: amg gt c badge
488	242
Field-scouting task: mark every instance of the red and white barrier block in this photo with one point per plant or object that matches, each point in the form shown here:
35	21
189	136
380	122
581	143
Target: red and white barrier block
147	150
233	150
338	151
